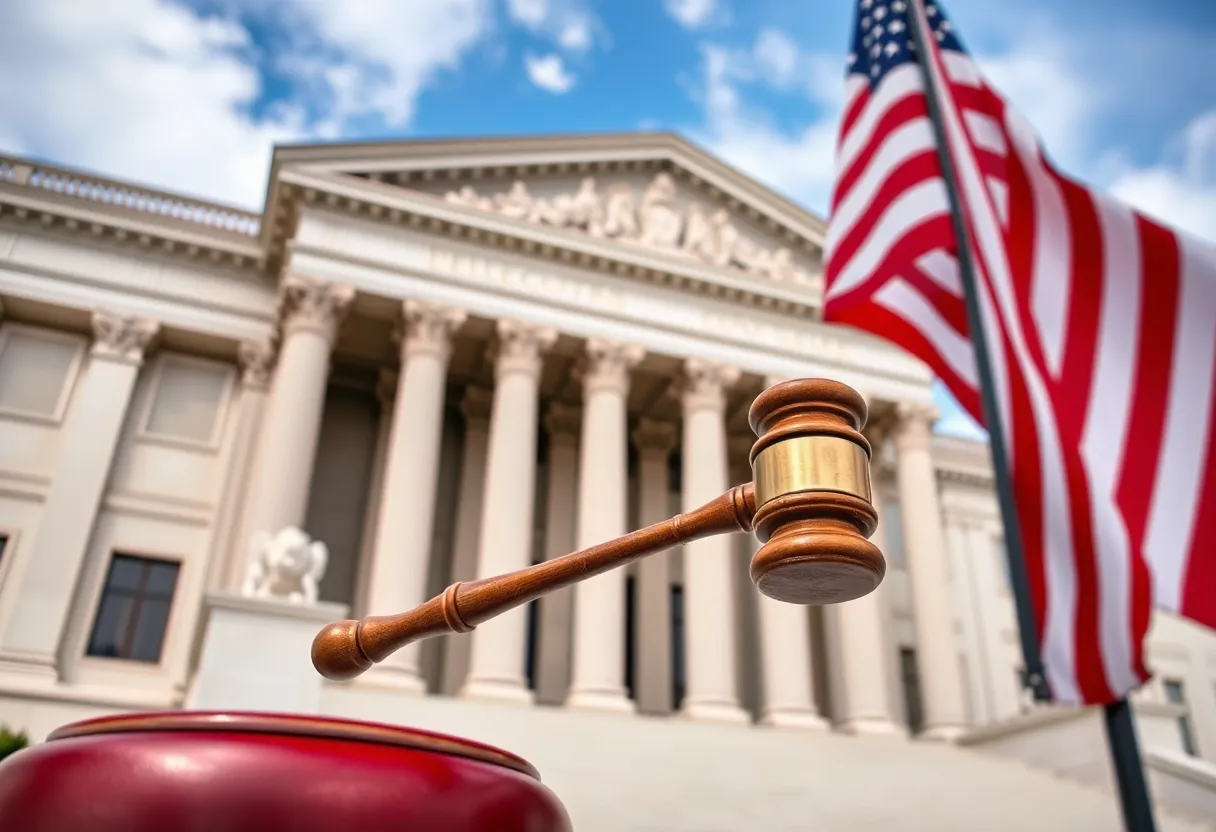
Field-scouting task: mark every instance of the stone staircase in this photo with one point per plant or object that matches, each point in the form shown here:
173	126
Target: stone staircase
636	774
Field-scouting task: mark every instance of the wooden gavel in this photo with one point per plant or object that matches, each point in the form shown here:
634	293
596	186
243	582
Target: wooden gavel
809	504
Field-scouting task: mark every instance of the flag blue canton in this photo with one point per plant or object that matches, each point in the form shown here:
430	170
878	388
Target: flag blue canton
882	40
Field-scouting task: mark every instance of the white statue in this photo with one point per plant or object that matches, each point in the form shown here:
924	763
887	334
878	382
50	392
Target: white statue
516	203
287	565
584	209
700	239
660	215
468	196
620	218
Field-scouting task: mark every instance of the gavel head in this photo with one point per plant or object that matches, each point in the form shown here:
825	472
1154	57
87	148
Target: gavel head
814	512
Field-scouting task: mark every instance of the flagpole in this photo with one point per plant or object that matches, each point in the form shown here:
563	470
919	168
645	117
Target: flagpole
1120	729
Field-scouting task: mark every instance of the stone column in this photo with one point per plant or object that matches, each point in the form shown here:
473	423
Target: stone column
402	551
556	610
310	313
496	661
708	563
937	653
48	624
857	636
475	406
386	395
787	692
598	676
226	570
652	636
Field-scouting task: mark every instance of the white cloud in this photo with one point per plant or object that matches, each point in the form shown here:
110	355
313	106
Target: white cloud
568	23
1183	194
576	35
151	91
777	57
690	13
549	73
530	13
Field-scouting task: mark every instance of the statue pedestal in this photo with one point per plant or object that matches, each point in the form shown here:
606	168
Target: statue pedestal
255	654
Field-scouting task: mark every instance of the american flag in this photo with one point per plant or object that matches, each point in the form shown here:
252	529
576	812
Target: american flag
1100	325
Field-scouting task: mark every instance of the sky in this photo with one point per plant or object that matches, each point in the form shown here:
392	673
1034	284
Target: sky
191	95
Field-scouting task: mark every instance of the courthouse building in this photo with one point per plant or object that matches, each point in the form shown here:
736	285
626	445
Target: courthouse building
450	359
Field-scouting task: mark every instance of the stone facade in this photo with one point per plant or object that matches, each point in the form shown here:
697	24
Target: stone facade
450	360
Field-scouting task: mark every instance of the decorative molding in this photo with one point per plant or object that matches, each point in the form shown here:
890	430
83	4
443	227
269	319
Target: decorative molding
122	338
915	425
969	477
313	305
427	328
607	365
257	360
520	348
703	385
656	221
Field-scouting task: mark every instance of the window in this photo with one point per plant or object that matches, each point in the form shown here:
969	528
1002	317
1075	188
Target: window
531	646
35	368
1175	695
911	684
677	646
134	609
187	398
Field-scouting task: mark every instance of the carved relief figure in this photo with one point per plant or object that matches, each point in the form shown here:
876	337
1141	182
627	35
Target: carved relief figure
620	216
700	239
288	566
658	221
516	202
660	214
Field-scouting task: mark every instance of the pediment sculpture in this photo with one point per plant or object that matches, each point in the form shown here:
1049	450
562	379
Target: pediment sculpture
287	566
656	220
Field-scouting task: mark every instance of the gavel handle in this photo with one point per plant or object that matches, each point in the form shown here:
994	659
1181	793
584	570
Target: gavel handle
347	648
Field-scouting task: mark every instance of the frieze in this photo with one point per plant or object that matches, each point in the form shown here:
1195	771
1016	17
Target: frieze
657	220
798	338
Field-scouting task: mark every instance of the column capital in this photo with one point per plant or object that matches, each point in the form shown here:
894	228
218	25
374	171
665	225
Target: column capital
427	328
386	387
475	405
520	347
121	337
256	359
914	429
703	384
306	304
607	365
563	420
655	437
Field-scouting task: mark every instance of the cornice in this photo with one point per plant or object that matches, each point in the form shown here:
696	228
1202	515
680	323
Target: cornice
532	155
370	200
62	200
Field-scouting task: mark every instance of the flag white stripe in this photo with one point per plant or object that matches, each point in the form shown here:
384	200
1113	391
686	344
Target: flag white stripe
1188	421
901	298
910	140
942	268
999	192
1104	436
985	132
926	199
1051	276
961	70
900	83
1059	649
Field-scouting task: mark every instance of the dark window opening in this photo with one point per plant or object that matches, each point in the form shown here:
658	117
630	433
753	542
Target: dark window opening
530	654
134	610
911	685
1175	695
630	633
677	646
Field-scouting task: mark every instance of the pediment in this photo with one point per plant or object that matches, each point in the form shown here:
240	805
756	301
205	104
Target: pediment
650	191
